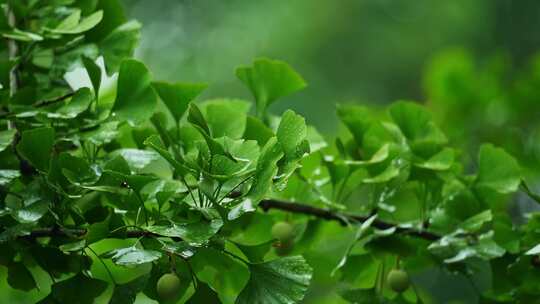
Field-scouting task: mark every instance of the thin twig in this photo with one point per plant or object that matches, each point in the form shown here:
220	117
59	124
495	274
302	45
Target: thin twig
48	102
103	263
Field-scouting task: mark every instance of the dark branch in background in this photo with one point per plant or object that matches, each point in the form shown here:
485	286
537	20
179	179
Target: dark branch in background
81	232
343	218
47	102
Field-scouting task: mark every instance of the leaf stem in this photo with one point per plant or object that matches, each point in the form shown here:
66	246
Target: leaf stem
236	257
103	263
234	188
139	198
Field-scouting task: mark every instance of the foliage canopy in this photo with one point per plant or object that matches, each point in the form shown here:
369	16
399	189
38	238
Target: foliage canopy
126	174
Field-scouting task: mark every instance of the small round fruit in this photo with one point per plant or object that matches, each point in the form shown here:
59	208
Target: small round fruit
283	232
168	286
398	280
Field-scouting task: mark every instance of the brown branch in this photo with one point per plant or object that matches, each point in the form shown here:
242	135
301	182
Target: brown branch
48	102
325	214
343	218
81	232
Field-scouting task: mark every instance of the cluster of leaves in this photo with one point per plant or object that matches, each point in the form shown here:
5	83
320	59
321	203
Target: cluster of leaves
80	167
108	189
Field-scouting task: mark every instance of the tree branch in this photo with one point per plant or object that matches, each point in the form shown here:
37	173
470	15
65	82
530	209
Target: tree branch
81	232
47	102
343	218
325	214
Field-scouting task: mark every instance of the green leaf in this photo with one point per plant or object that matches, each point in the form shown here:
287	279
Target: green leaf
255	253
361	232
196	117
77	105
73	25
155	143
114	16
132	256
266	170
77	170
98	231
73	247
94	73
78	289
196	234
31	213
361	270
241	208
104	134
203	294
226	117
19	277
120	44
6	138
182	249
291	133
240	161
70	21
476	222
379	156
415	122
358	119
282	281
6	176
127	293
533	251
440	161
135	100
20	35
177	96
223	273
389	173
137	159
36	146
269	80
454	248
257	130
497	170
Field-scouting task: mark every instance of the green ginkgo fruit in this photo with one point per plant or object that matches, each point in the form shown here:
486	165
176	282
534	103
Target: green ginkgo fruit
283	232
168	286
398	280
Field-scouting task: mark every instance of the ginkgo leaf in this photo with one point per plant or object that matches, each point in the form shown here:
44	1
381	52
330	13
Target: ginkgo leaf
135	100
269	80
132	256
282	281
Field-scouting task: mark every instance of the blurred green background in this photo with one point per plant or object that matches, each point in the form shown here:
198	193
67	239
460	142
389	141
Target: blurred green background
373	51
